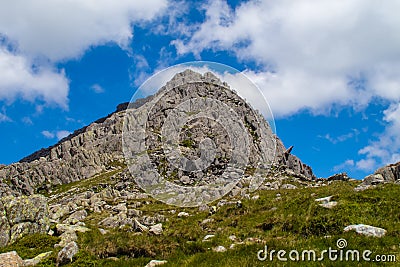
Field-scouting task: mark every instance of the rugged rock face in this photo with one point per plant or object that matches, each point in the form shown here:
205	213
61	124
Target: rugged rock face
21	216
388	173
95	148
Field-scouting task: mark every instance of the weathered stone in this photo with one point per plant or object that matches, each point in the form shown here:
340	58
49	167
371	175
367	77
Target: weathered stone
134	213
76	217
219	249
11	259
388	173
156	229
67	253
120	208
23	215
366	230
154	263
339	177
326	202
61	228
66	238
288	186
139	226
183	214
36	260
4	229
208	237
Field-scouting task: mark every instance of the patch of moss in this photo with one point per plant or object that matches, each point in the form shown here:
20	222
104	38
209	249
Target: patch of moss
32	245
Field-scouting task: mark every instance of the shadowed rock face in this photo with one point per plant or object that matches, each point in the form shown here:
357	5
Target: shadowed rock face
90	150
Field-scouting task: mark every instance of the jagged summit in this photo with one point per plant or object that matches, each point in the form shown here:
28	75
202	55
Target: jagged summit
90	150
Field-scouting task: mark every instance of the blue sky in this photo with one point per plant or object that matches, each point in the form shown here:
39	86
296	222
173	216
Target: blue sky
330	70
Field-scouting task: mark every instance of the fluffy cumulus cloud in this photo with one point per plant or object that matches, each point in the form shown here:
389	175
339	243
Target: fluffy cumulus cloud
18	78
313	55
60	29
33	32
52	134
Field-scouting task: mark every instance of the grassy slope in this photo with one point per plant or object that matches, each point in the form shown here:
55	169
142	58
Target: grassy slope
293	222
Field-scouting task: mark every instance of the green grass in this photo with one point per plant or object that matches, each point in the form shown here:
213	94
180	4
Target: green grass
32	245
295	221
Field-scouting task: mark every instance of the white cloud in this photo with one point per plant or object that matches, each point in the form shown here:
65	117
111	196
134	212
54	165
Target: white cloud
19	79
366	165
27	121
346	164
386	149
313	49
61	134
48	134
37	34
341	138
97	88
4	117
313	55
60	29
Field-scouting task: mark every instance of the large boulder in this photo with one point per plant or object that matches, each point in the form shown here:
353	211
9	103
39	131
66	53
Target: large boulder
11	259
23	215
388	173
66	255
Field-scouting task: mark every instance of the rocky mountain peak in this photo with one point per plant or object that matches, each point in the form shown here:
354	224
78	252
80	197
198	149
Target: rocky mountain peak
93	149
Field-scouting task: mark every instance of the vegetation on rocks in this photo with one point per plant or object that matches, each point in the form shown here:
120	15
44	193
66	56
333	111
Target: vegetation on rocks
281	219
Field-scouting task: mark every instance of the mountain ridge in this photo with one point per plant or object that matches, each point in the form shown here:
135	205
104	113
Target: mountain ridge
89	151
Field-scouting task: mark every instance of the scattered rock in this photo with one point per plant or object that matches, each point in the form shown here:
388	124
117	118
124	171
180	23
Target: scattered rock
183	214
374	179
206	221
154	263
203	208
326	202
76	217
102	231
139	226
120	208
66	238
329	205
67	253
233	238
366	230
134	213
219	249
208	237
339	177
61	228
156	229
288	186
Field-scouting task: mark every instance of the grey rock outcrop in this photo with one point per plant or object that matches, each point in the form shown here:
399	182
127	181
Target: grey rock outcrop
388	173
67	253
92	149
21	216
